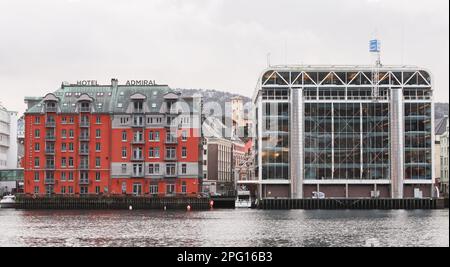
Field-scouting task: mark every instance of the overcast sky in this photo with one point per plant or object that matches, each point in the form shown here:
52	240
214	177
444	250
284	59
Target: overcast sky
215	44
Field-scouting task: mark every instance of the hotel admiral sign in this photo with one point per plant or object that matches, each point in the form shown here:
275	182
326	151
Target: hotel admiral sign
128	83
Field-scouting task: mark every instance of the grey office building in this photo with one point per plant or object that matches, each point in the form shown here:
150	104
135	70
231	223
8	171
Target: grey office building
345	131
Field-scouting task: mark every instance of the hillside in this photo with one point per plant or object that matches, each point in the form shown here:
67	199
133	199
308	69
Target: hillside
440	109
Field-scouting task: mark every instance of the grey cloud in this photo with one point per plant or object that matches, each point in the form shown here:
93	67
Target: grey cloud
220	44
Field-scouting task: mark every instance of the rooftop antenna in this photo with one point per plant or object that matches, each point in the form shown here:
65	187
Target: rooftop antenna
375	49
285	52
268	60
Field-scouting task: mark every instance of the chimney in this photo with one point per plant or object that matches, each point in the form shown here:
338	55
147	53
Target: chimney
114	83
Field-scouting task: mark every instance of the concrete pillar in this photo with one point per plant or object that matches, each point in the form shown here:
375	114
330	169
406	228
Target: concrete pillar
296	143
397	142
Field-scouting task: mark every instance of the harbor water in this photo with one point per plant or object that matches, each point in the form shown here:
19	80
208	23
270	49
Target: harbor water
229	228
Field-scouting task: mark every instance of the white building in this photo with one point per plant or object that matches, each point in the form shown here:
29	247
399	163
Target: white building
8	138
444	153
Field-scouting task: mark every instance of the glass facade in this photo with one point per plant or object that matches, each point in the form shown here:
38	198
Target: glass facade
346	141
375	142
418	155
275	141
344	129
318	141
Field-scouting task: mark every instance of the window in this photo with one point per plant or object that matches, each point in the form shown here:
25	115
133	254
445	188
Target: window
71	120
70	189
63	162
37	133
36	162
97	177
63	176
97	162
171	153
71	133
184	152
64	134
170	169
124	152
157	152
83	190
138	106
183	168
150	136
63	190
184	135
36	177
97	190
183	187
124	168
63	147
98	120
64	120
170	189
157	136
71	147
97	147
138	170
37	120
36	189
151	169
71	162
70	176
124	188
153	189
37	147
124	136
97	133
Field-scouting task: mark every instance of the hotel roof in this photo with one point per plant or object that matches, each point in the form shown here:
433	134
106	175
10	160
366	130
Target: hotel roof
106	98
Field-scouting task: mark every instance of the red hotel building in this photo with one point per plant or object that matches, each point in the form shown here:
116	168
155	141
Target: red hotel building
113	140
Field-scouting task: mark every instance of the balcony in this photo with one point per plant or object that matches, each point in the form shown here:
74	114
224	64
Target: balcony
84	137
84	182
84	124
171	141
170	175
50	166
50	151
51	109
137	158
49	181
83	166
137	175
137	142
50	138
170	158
84	152
50	124
137	124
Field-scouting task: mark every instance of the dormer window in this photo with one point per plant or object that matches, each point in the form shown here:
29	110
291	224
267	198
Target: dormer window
85	107
138	106
50	106
170	104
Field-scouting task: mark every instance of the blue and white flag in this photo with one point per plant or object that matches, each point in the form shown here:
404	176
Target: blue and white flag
375	46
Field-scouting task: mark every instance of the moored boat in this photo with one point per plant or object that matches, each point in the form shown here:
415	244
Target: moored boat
8	202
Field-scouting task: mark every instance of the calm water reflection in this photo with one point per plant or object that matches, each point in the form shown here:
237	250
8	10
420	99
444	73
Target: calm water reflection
224	228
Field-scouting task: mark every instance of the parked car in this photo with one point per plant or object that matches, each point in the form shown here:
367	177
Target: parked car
318	195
